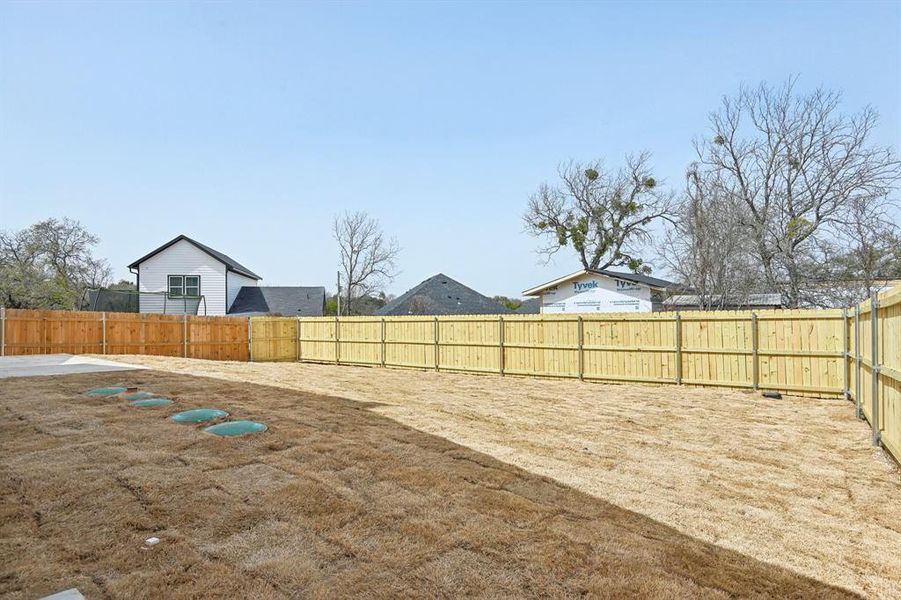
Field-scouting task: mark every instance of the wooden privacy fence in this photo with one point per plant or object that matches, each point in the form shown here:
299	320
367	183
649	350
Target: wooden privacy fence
851	352
875	367
799	351
59	331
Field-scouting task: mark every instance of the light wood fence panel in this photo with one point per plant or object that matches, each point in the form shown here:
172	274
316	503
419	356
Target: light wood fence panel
885	366
317	339
360	341
273	339
801	352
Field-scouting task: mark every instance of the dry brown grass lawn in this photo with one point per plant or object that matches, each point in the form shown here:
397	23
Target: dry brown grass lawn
335	500
793	482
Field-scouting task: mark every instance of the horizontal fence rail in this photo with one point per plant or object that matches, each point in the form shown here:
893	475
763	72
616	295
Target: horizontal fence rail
26	332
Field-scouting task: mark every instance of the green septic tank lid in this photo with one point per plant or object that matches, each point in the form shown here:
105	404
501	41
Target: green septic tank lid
105	391
138	396
151	402
232	428
198	415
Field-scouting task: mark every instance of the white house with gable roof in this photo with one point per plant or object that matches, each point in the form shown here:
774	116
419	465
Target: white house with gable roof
600	290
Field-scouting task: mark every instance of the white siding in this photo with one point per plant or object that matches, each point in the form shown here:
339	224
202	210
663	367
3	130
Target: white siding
182	258
234	285
596	293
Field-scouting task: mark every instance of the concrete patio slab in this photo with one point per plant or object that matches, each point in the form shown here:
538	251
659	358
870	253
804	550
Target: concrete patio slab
57	364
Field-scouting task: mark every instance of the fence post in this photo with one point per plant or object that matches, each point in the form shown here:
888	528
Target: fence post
299	324
580	334
337	341
250	339
184	334
846	368
103	334
2	331
874	410
755	358
437	361
678	348
500	337
858	407
383	342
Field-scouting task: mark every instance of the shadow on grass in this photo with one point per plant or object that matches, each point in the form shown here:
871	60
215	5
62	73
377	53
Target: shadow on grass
334	500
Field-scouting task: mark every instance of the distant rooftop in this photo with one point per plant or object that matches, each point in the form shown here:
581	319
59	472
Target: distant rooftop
284	301
652	282
442	295
228	261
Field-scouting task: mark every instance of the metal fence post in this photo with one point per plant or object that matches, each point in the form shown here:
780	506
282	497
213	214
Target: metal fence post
678	348
2	331
184	334
874	410
581	339
500	338
858	407
437	361
383	342
103	333
755	357
846	367
250	339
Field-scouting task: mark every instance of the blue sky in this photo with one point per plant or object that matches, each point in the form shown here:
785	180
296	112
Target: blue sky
248	125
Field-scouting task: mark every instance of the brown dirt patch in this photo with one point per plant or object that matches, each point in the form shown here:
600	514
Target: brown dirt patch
793	482
335	500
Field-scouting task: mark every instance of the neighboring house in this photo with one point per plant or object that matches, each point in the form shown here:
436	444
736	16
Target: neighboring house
279	301
601	291
749	302
441	295
185	276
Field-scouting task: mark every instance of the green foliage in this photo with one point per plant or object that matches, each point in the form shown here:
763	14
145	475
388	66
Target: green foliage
510	303
797	227
604	215
49	265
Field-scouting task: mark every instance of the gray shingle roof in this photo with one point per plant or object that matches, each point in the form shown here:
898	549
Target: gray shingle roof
441	295
228	261
285	301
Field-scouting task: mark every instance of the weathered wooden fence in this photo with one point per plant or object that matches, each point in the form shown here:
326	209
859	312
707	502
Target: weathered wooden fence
58	331
800	351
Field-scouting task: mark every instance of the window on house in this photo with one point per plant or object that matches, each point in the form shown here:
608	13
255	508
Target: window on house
184	285
192	285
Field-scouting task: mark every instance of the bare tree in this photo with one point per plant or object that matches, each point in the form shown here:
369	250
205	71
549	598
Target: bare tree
857	264
707	247
368	260
49	265
605	215
799	166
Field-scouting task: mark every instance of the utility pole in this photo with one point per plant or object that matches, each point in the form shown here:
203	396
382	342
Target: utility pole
338	296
